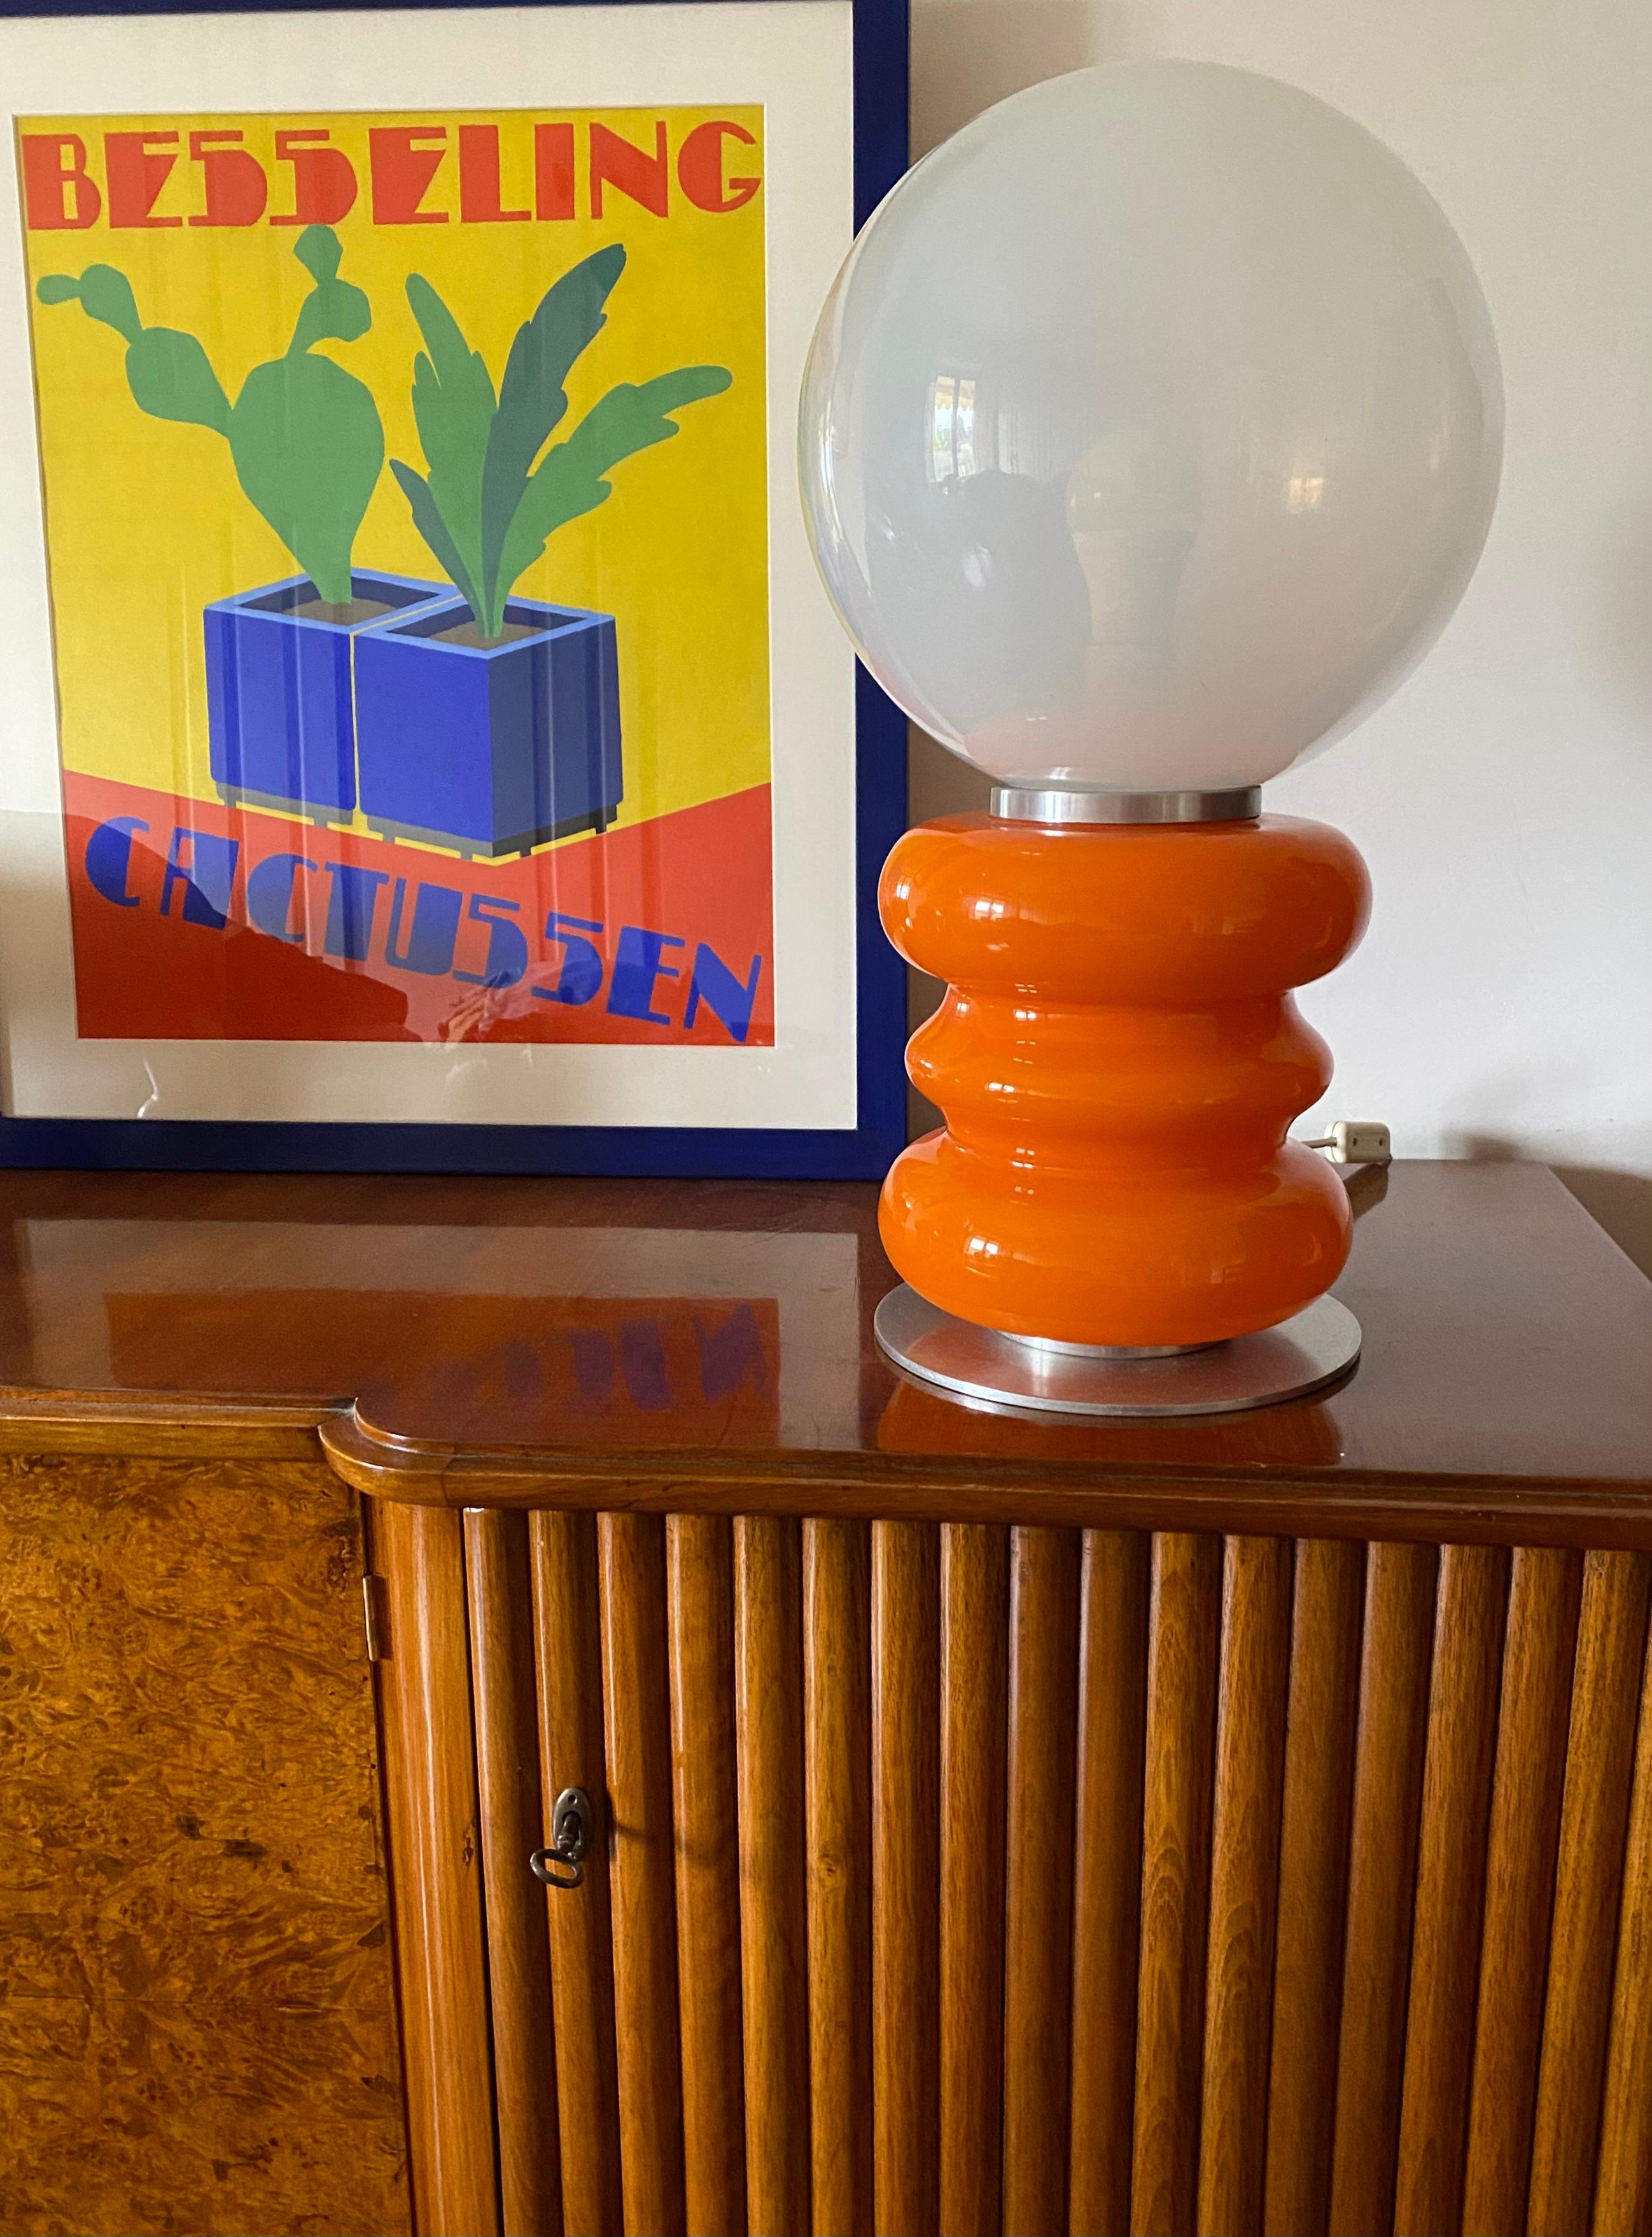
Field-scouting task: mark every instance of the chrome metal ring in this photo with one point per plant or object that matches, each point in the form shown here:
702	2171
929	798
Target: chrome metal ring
1018	803
1049	1344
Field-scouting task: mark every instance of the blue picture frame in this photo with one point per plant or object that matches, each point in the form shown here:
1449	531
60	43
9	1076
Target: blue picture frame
881	78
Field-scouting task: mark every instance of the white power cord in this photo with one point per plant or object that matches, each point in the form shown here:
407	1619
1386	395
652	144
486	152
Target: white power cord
1355	1142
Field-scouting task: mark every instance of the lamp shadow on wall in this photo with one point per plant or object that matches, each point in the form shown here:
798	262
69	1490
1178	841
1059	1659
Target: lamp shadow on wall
965	58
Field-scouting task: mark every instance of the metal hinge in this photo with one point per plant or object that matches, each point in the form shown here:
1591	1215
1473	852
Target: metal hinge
372	1617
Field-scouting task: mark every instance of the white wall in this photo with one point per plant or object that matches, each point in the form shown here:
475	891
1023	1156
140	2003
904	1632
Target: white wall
1502	1002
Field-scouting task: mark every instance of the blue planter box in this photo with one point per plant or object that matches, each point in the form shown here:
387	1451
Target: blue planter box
280	701
489	751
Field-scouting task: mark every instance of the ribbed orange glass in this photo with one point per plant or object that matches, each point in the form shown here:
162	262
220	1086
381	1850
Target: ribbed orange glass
1118	1058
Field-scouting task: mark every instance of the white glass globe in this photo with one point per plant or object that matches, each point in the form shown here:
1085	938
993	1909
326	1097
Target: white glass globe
1151	431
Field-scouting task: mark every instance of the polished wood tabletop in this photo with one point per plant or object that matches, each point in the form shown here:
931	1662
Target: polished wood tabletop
708	1344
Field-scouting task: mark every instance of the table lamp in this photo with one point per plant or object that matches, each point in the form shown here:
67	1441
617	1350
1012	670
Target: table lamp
1149	436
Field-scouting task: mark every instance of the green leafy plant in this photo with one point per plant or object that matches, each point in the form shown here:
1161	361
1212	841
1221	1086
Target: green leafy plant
305	435
484	506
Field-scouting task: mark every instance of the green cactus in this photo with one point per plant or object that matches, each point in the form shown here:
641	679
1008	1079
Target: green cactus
483	508
305	435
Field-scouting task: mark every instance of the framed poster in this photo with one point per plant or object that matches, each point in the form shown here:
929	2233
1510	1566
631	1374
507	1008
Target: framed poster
427	742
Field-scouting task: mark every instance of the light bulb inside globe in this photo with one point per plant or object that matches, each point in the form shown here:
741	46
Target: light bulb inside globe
1151	431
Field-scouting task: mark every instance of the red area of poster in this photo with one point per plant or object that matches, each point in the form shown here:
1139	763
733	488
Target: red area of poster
195	921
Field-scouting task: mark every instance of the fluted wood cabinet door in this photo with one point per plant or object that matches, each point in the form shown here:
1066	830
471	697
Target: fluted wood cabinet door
977	1878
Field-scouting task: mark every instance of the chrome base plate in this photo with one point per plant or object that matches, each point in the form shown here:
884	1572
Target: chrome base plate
985	1368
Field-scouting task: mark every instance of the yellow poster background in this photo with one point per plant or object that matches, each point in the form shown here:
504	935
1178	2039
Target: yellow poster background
147	523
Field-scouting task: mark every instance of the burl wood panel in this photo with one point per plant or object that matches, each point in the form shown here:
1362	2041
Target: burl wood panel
197	2015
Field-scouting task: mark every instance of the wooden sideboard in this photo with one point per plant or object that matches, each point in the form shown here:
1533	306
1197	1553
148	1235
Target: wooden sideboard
1224	1824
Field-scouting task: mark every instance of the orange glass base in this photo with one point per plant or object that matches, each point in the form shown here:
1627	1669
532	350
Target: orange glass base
1118	1056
